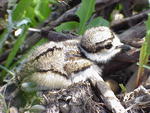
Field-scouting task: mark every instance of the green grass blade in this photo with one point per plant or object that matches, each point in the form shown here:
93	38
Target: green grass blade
144	54
146	66
13	53
42	10
68	26
7	70
99	21
20	9
15	49
3	38
84	13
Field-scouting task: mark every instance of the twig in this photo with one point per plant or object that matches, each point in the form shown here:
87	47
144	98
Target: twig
109	97
118	25
101	4
34	30
138	97
67	16
134	35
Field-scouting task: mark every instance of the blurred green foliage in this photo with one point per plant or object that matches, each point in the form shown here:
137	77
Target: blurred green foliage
84	13
144	54
87	8
22	15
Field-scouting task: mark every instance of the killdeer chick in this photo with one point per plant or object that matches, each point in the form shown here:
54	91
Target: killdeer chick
59	64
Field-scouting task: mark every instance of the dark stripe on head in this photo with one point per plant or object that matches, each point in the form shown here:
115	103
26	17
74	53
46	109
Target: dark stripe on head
95	49
112	37
98	46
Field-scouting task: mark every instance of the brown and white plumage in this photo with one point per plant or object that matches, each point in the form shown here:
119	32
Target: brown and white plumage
60	64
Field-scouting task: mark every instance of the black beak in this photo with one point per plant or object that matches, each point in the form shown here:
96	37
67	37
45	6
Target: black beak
125	47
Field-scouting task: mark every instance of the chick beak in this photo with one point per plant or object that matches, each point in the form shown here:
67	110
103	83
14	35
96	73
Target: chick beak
124	47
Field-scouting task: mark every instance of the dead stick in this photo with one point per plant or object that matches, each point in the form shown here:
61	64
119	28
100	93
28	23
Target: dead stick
108	96
133	19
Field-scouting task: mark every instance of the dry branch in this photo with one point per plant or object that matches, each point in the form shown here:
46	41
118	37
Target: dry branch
134	35
109	98
130	21
137	100
101	4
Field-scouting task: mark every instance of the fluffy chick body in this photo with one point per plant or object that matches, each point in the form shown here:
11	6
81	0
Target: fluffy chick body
59	64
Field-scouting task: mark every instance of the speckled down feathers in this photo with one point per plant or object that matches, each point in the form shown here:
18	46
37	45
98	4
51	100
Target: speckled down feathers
95	35
54	60
60	64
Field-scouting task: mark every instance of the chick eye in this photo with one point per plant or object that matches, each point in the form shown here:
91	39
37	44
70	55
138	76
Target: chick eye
108	46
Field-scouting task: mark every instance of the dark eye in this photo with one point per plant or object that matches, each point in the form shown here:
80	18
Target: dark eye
108	46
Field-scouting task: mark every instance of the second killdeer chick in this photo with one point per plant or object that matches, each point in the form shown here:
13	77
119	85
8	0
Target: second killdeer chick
59	64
